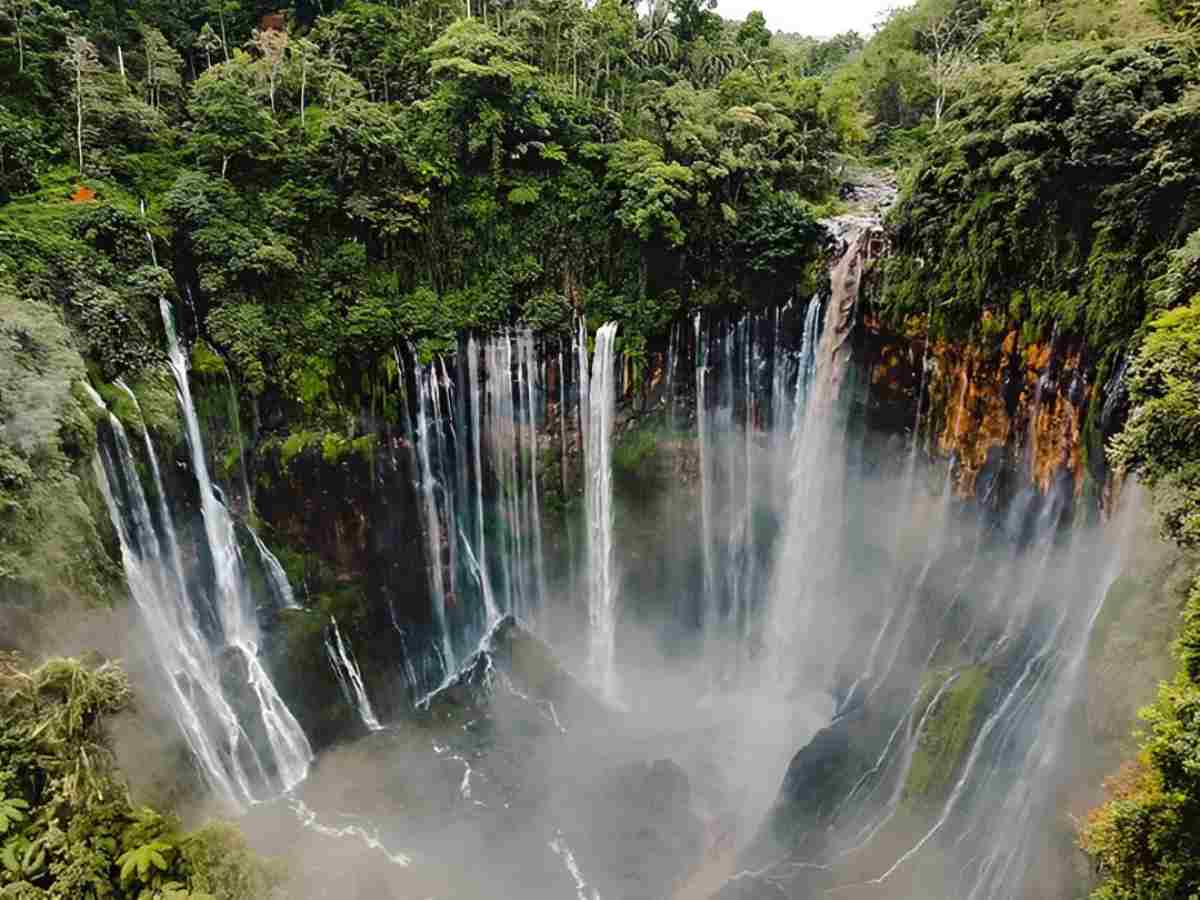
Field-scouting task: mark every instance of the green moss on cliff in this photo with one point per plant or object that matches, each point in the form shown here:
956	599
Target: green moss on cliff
50	546
946	736
636	455
1052	194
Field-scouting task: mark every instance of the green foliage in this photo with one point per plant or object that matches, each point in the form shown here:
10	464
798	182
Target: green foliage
50	549
145	864
67	827
231	125
1183	13
945	736
22	153
473	54
384	174
1143	837
13	811
1161	438
1063	184
650	187
635	458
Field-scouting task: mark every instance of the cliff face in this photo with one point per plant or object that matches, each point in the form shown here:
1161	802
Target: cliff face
1010	416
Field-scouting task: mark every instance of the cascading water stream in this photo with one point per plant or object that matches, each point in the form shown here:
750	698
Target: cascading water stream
598	398
475	444
277	580
708	614
235	609
222	749
348	675
809	543
426	442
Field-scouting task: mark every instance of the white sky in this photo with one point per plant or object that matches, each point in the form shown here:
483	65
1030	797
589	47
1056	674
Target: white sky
819	18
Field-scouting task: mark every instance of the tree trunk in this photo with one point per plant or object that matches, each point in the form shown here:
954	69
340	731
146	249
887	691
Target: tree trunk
224	39
607	78
79	111
303	85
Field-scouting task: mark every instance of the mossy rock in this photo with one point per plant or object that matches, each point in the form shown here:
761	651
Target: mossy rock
636	458
946	736
51	550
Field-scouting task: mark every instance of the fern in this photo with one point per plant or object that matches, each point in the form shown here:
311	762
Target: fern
12	812
144	861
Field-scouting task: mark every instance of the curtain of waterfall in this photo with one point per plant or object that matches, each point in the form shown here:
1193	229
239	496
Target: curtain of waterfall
236	609
242	760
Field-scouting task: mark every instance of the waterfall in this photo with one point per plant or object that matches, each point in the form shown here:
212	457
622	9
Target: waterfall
810	541
475	391
427	441
224	752
348	675
708	610
750	389
807	361
235	609
475	441
533	386
598	397
277	582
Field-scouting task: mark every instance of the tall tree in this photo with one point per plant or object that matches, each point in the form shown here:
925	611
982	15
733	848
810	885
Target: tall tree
695	19
229	122
163	66
272	45
951	39
208	41
81	64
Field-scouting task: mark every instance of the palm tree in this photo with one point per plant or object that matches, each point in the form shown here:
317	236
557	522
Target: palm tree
656	40
711	64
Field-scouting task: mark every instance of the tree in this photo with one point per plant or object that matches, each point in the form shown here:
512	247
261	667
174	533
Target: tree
472	51
951	39
223	8
163	66
207	41
616	27
822	58
753	36
650	190
1144	838
657	42
272	46
19	13
229	122
21	152
305	53
81	64
1161	438
67	827
37	30
695	19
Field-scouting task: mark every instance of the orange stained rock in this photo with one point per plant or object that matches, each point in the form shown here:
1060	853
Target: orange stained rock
966	392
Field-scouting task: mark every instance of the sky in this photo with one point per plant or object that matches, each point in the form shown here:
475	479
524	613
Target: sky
819	18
